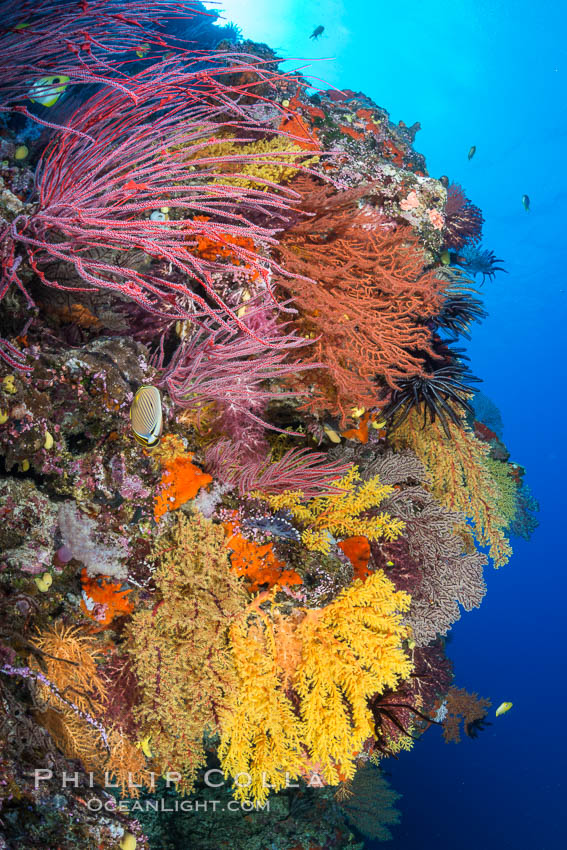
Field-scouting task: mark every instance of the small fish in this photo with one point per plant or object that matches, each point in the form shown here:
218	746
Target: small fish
317	32
142	50
146	416
144	746
503	708
526	202
48	90
472	151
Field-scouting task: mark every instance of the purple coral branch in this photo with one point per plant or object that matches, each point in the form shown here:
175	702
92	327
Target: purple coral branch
298	469
28	673
95	197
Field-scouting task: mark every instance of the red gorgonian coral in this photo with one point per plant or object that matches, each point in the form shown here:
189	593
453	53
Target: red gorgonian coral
98	205
368	307
76	42
463	220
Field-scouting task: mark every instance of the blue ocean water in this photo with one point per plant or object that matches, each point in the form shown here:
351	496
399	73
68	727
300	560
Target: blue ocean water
490	73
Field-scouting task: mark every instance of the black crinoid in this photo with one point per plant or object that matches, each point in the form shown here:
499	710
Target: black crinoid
475	726
395	716
460	308
477	260
442	390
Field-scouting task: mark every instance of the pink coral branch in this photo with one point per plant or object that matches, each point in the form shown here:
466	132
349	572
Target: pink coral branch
85	40
232	370
298	469
95	197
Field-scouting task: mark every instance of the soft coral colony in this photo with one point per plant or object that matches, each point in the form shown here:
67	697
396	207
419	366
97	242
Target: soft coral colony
268	589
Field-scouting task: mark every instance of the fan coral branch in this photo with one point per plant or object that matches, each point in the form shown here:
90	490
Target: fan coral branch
84	42
463	220
95	198
460	478
466	708
298	469
366	312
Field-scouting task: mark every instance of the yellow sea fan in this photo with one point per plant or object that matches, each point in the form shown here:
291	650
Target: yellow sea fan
462	477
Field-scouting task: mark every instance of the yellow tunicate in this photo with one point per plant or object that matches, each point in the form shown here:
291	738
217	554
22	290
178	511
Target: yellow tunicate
128	842
164	209
378	425
285	103
48	442
3	416
44	582
331	434
21	152
8	385
25	465
357	412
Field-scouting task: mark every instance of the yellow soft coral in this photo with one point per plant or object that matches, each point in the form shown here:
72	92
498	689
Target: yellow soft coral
350	650
338	515
275	160
343	654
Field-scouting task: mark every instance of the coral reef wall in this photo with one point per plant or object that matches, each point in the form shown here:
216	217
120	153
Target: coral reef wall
245	486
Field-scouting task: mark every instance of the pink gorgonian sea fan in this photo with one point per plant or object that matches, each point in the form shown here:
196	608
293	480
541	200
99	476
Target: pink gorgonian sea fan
98	202
233	370
46	42
298	469
463	220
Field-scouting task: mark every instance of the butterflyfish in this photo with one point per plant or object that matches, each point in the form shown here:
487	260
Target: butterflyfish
48	90
146	416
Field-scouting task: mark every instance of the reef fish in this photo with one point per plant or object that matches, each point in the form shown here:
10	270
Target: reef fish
526	202
503	708
472	151
146	416
48	90
317	32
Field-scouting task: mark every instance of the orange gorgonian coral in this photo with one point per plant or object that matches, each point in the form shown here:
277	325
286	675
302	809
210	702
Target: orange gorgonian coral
366	301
